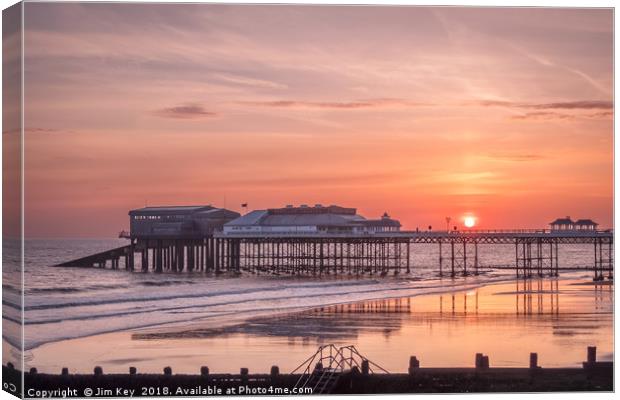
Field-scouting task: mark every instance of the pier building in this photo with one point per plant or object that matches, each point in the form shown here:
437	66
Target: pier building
309	220
567	224
178	221
585	224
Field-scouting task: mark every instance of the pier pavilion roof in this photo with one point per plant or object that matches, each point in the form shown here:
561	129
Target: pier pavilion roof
305	216
562	221
585	222
383	222
269	218
170	210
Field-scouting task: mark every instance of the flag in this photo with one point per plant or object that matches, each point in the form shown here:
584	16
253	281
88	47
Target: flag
244	205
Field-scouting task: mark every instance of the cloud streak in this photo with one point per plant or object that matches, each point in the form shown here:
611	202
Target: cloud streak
187	111
517	157
543	115
567	105
573	105
335	105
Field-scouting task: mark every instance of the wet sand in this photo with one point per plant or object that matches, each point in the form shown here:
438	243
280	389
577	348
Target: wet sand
555	318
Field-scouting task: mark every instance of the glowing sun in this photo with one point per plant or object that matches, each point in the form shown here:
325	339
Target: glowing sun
469	221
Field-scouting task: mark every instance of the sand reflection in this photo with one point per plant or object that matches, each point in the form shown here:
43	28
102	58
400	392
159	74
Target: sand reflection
557	319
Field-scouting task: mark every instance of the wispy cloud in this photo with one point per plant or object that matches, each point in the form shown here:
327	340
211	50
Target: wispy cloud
548	63
566	105
33	130
246	81
187	111
357	104
572	105
516	157
602	114
545	115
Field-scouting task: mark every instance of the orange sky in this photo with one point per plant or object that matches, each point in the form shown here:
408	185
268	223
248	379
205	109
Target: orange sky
420	112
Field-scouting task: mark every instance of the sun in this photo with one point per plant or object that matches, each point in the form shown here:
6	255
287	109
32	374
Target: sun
469	221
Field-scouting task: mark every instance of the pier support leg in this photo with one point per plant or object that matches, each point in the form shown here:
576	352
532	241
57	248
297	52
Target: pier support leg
440	260
475	257
452	258
464	258
157	254
408	255
145	258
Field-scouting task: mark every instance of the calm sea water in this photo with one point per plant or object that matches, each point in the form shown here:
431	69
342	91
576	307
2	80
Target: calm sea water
65	303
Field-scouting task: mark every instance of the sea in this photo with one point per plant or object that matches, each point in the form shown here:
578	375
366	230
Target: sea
65	303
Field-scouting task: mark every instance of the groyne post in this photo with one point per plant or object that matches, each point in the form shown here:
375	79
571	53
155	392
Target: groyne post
591	354
414	364
478	362
365	367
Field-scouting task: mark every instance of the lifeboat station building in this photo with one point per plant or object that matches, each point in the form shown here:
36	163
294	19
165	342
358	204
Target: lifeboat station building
309	220
178	221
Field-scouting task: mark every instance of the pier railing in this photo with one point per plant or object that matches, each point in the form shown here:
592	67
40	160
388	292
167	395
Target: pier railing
505	233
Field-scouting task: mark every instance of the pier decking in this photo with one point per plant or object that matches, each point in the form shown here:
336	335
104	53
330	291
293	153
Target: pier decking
537	252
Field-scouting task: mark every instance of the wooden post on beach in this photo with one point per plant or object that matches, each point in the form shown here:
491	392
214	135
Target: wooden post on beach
98	371
167	371
33	371
365	367
534	361
244	375
478	360
591	354
132	370
275	371
204	370
414	364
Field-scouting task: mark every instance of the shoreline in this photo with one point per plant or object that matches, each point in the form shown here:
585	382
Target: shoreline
450	287
271	330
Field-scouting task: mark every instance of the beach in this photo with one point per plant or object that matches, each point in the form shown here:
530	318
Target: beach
507	320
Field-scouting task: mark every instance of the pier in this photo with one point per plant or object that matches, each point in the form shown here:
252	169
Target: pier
322	240
537	253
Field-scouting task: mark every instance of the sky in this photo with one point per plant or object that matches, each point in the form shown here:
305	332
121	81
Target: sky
505	114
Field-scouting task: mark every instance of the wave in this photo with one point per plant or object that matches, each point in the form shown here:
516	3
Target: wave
116	300
70	327
251	300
